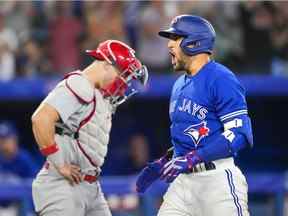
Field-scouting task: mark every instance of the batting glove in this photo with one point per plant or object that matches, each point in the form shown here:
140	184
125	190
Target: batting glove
152	172
179	165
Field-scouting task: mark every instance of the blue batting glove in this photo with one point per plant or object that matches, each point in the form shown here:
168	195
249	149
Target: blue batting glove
179	165
152	171
150	174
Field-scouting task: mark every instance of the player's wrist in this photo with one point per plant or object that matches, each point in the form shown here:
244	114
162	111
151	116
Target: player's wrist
167	156
51	149
53	154
193	158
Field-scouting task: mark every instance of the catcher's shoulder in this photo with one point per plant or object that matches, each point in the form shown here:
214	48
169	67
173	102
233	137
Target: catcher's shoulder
80	86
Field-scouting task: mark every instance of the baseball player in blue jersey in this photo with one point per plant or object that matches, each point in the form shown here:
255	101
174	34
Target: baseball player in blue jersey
209	125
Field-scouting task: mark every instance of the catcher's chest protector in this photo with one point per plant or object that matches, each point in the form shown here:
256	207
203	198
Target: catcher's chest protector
94	135
94	128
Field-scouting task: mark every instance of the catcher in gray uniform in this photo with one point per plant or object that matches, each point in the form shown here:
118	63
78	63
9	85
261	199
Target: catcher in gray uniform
72	126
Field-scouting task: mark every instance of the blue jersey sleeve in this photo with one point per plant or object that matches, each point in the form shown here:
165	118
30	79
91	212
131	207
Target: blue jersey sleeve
231	109
229	98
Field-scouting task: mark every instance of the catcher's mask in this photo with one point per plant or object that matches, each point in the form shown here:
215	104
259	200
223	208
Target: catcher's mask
130	68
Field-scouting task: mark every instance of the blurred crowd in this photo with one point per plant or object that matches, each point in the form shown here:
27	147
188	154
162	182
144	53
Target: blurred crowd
49	38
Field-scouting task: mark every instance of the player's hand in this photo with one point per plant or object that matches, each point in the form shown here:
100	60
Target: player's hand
71	172
149	174
152	172
179	165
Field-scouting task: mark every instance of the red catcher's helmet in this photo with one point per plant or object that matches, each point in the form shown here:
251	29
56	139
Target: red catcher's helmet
123	58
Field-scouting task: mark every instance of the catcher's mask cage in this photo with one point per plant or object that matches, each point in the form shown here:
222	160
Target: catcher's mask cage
130	68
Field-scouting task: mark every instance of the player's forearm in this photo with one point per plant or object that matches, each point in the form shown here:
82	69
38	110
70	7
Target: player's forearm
43	130
222	148
236	136
43	125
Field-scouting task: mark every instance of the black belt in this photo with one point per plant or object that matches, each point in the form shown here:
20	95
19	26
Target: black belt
203	167
61	131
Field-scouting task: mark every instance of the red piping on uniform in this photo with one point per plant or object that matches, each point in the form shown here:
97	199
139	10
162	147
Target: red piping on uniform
82	100
70	74
82	123
86	155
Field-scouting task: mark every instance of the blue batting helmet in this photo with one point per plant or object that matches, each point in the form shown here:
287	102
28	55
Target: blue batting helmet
198	33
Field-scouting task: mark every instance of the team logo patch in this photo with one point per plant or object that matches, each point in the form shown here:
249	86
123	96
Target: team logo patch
197	131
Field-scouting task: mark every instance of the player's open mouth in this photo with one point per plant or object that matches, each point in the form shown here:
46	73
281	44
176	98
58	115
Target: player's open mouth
173	58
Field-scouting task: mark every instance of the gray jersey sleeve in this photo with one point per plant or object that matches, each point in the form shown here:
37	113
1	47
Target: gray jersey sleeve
63	101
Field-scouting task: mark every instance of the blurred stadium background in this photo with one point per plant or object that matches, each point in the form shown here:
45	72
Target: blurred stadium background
42	40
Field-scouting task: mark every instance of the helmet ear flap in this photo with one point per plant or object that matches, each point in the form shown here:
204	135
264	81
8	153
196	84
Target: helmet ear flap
188	45
195	45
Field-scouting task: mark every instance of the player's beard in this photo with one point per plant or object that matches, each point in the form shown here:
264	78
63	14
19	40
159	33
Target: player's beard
180	63
179	66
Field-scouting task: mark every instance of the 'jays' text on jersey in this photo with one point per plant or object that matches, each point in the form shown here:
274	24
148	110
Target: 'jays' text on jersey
203	106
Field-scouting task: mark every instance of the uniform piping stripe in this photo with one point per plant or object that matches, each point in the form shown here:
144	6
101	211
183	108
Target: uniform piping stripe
232	113
86	155
81	99
240	112
232	191
82	123
236	114
85	120
237	198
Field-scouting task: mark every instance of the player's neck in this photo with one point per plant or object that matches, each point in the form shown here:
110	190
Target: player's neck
93	73
197	62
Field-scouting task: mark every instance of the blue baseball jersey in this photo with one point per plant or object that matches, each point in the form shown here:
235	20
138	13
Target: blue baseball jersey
201	104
